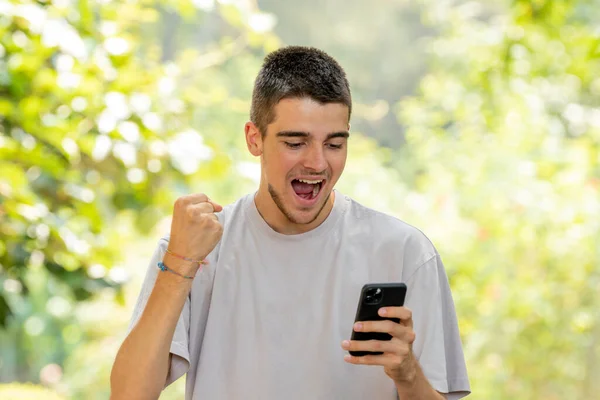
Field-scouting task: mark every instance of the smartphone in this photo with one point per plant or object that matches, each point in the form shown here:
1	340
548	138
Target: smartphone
373	296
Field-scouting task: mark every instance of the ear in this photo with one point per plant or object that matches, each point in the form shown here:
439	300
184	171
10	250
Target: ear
253	139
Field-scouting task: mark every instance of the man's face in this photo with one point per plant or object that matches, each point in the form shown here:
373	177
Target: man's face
303	155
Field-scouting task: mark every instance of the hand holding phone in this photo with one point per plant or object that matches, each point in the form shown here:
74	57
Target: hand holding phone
373	297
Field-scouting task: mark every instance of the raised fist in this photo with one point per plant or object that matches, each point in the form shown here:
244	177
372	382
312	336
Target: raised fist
195	229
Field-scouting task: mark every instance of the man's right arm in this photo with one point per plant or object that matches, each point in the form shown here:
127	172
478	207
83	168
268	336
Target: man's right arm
142	363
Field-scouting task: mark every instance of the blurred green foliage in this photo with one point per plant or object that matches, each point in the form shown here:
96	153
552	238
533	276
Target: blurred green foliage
379	43
98	136
504	147
110	110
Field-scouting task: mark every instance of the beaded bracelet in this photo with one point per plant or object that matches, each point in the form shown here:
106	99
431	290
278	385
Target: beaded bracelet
187	259
163	268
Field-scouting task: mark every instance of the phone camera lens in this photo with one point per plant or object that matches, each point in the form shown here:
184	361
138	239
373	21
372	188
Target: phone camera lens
373	296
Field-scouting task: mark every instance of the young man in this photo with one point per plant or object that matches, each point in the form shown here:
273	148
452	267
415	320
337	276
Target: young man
271	314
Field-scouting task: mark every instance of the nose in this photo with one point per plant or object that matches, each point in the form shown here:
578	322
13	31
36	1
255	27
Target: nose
315	159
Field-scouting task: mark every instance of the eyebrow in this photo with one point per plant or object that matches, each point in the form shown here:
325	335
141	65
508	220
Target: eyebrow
342	134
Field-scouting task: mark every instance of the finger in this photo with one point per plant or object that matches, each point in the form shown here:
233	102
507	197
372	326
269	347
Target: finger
382	359
217	207
402	313
383	346
405	334
401	332
384	326
194	198
197	210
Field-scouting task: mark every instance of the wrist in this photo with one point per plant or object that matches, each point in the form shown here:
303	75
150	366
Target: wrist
414	385
410	376
181	266
176	254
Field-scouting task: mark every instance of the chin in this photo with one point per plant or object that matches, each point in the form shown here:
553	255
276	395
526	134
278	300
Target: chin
304	218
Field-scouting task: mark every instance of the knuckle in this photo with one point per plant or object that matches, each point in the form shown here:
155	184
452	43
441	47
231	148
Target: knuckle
403	350
214	224
412	336
200	197
193	212
181	202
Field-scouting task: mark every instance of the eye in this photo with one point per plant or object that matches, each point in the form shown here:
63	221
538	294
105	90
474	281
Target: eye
335	146
293	145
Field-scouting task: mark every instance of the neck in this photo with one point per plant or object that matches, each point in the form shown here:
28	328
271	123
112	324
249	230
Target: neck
279	222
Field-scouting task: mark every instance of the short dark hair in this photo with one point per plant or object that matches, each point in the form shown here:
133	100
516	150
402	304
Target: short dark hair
297	72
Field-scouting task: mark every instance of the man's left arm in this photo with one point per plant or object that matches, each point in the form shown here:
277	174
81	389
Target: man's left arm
427	361
397	359
418	388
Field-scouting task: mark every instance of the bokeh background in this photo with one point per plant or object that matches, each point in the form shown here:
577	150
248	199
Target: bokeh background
476	121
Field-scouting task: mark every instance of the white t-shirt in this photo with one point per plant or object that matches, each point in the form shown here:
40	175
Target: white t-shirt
266	318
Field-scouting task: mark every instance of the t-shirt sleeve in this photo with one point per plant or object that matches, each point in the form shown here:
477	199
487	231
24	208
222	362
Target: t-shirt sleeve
437	345
180	359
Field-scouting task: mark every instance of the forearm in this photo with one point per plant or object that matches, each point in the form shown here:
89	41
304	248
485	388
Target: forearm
417	387
142	363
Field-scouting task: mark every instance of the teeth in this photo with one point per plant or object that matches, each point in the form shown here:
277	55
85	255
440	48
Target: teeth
315	191
311	182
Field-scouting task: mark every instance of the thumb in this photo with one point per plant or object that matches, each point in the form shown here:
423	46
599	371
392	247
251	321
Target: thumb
216	206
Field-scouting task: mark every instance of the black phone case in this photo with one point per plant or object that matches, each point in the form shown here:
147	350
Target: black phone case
393	295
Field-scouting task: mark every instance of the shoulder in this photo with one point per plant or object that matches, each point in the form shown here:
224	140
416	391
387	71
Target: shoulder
384	225
232	212
390	233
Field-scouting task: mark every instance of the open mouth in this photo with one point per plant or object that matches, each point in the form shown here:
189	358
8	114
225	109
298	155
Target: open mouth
307	189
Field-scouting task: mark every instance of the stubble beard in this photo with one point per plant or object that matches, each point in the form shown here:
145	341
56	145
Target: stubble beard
279	202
